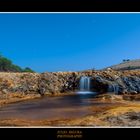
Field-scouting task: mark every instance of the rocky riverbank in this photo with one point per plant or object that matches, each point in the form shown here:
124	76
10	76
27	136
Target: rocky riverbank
119	82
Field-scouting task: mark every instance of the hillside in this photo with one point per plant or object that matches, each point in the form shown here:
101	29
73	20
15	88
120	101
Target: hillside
127	65
6	65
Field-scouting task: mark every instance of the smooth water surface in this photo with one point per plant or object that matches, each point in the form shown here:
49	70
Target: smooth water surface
62	107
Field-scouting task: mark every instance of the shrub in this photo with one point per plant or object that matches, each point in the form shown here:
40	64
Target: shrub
6	65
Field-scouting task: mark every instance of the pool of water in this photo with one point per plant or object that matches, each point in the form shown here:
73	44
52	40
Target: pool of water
86	93
62	107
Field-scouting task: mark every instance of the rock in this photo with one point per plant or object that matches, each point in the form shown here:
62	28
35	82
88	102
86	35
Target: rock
109	97
118	82
126	119
4	91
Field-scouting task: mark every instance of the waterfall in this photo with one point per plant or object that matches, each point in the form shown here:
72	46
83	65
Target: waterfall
113	88
85	83
85	86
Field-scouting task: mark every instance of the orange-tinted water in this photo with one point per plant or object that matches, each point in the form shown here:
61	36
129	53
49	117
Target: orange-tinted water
62	107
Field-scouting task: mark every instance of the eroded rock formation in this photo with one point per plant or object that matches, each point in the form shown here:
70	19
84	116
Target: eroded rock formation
120	82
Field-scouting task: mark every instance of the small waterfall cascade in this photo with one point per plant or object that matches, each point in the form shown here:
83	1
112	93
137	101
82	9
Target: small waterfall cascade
113	88
85	83
85	86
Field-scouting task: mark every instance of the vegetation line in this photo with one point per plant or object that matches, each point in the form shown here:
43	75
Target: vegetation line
7	65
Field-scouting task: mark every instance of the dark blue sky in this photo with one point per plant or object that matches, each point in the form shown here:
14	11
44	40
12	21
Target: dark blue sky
69	42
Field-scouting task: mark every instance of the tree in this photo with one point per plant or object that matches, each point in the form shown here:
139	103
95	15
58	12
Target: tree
6	65
126	60
16	68
28	70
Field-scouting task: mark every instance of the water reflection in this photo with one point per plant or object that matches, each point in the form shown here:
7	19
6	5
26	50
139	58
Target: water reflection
51	107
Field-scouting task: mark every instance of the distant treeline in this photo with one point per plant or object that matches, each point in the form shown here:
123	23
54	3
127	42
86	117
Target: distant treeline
7	65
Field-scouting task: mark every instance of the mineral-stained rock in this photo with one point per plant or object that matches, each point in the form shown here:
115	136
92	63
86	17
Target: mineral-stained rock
126	119
19	82
119	82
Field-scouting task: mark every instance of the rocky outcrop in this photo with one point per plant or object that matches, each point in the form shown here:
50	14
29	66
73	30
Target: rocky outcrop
58	82
128	119
19	82
119	82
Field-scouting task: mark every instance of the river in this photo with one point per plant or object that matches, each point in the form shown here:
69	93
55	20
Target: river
60	107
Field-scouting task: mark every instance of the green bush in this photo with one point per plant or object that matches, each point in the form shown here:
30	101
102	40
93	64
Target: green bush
6	65
28	70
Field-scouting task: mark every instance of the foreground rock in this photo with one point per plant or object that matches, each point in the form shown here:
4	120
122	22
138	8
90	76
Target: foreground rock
127	119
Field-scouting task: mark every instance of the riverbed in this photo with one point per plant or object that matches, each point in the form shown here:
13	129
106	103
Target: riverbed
62	107
67	110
